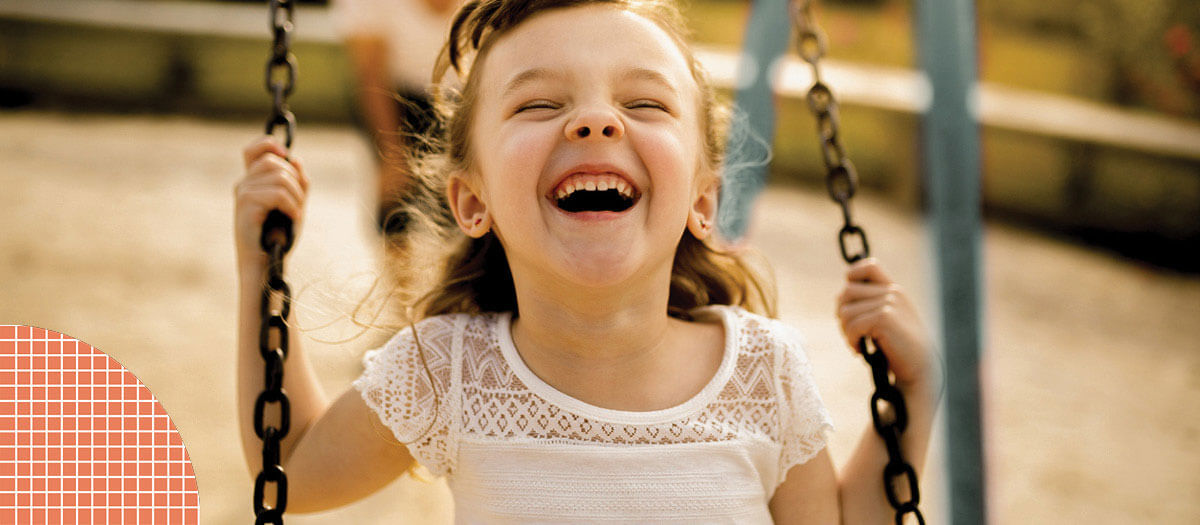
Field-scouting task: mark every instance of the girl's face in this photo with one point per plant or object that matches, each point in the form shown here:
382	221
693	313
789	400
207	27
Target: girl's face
573	101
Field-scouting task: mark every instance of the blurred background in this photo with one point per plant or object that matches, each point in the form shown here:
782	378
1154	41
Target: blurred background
121	124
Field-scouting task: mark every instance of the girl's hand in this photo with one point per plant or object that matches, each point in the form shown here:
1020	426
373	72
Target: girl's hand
271	182
873	306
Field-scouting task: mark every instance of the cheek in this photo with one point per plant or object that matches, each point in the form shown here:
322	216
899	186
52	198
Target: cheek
522	148
674	157
513	162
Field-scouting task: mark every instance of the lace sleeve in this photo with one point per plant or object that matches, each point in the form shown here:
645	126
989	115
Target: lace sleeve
804	420
397	385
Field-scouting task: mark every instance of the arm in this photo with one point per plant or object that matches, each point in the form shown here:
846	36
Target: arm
270	183
809	494
861	482
346	455
813	494
873	306
333	454
299	380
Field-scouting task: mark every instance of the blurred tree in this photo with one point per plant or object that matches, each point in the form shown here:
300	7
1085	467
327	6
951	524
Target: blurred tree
1146	47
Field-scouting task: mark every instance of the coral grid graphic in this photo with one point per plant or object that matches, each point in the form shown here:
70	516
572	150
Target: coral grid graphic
82	440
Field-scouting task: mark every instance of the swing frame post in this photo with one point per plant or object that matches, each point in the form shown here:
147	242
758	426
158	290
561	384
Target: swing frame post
752	132
947	47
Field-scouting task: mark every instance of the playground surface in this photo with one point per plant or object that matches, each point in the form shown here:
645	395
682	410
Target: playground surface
117	231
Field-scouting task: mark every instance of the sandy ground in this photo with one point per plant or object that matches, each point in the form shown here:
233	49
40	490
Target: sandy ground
117	231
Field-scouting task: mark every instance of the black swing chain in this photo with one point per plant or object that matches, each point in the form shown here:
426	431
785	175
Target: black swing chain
276	240
888	412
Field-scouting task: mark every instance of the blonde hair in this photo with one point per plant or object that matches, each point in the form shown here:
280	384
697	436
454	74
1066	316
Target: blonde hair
441	270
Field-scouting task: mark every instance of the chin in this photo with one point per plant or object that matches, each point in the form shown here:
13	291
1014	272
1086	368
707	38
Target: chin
600	267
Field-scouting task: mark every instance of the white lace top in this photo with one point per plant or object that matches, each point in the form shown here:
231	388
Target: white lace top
516	450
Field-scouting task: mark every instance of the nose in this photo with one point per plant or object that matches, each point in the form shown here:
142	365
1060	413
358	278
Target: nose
595	123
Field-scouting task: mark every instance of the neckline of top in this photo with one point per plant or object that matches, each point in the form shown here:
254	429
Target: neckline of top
503	332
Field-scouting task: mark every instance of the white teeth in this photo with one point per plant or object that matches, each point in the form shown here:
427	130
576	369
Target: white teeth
607	183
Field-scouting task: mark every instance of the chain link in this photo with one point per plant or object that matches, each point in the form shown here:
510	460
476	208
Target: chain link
281	69
276	240
889	414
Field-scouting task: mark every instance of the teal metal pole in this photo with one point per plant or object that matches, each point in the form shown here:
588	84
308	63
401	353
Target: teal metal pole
753	128
947	47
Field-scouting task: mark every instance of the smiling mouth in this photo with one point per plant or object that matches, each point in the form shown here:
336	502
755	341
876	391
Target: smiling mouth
595	200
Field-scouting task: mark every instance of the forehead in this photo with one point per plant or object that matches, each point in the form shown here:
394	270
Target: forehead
589	40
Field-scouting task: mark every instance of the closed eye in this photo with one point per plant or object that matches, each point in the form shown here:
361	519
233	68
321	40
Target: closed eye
541	104
642	104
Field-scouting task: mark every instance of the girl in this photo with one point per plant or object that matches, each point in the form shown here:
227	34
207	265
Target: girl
584	354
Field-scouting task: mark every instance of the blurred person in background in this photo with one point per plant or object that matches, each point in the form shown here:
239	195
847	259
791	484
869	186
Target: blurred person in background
392	46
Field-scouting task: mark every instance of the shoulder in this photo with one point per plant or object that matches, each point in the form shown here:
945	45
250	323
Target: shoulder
433	336
428	330
763	347
417	361
801	421
773	349
759	334
408	381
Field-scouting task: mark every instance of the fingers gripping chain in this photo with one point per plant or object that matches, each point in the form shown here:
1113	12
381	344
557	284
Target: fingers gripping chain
888	413
276	240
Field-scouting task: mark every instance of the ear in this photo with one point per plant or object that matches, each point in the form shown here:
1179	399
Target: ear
467	206
703	215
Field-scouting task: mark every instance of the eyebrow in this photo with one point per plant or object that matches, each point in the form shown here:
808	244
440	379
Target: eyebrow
527	77
641	73
538	73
